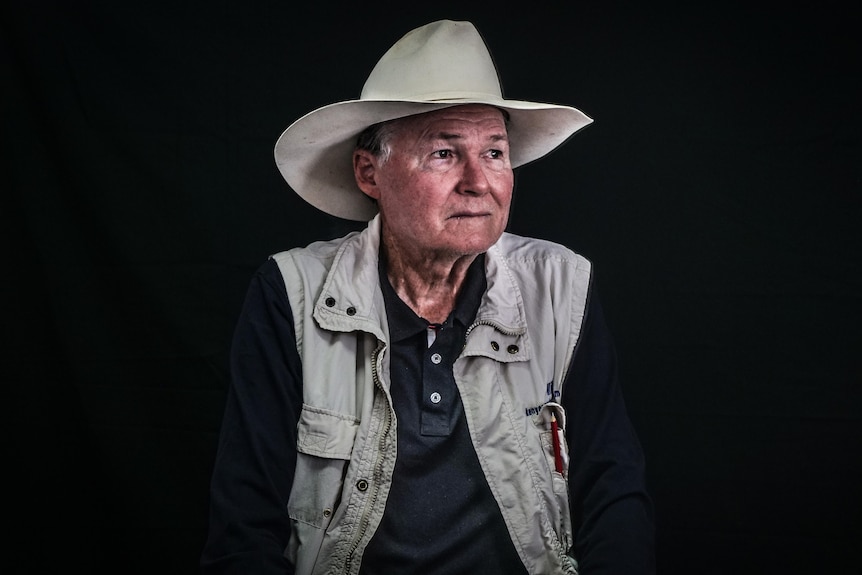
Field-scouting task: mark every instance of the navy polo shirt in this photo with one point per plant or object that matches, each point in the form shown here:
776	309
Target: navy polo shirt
440	516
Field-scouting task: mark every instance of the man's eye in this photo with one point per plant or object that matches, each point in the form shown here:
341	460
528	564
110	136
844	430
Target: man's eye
496	154
442	154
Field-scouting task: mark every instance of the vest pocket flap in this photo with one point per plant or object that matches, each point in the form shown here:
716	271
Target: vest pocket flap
324	433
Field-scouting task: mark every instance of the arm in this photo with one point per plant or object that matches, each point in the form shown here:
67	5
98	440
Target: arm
251	482
612	513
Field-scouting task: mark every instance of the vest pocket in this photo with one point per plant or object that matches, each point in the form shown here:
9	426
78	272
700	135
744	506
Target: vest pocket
559	506
324	445
559	465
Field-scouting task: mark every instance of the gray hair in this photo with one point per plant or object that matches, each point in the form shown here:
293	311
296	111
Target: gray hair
377	139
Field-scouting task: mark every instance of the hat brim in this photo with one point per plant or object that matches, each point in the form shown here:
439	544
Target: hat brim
314	154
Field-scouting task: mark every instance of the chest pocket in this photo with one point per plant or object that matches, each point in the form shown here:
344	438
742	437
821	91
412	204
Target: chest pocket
324	445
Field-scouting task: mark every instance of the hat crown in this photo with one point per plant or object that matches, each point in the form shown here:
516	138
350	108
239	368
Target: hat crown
443	60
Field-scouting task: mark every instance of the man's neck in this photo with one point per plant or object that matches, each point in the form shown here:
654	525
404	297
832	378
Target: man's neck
428	284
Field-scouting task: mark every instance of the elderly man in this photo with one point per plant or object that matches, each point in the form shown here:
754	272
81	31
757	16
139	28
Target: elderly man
432	394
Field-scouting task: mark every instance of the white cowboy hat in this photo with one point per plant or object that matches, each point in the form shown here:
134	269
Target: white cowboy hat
438	65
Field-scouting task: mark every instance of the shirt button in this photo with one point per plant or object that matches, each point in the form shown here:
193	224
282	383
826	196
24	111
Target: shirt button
436	358
330	301
435	397
513	349
351	310
362	485
495	346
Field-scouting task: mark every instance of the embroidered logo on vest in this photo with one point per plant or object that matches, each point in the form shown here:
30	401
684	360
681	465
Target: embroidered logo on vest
551	395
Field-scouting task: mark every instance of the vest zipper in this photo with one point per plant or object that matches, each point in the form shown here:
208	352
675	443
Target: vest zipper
378	465
495	325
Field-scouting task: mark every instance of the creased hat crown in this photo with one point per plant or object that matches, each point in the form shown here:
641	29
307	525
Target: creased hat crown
441	61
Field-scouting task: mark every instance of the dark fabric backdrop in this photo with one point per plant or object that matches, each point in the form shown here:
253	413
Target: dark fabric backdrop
717	194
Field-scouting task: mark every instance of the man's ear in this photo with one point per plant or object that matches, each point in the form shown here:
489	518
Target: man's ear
364	170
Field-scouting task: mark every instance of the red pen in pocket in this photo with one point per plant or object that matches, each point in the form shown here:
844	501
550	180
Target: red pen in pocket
555	439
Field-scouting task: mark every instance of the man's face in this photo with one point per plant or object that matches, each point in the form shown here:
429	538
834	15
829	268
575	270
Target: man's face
446	188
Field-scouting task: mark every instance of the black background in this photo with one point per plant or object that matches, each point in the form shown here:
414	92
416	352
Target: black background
717	194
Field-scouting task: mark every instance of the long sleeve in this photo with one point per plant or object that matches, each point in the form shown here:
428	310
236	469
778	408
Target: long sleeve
612	513
254	468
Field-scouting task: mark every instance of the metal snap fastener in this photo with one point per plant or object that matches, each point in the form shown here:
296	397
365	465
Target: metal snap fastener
495	346
436	358
512	349
330	301
435	397
362	485
327	512
351	310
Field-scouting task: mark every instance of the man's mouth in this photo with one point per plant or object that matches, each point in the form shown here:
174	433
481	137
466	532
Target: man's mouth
460	215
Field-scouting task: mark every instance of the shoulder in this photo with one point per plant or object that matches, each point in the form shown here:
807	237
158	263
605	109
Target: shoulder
544	271
531	252
314	258
319	250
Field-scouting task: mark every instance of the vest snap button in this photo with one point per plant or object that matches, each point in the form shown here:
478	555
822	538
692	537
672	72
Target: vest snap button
495	346
351	310
327	512
330	301
513	349
362	485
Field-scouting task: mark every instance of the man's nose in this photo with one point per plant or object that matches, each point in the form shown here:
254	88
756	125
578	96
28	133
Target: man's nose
474	181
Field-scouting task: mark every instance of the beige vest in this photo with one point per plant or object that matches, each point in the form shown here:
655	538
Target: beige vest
509	376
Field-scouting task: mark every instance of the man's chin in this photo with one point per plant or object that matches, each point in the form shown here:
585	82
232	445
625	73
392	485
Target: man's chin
474	246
